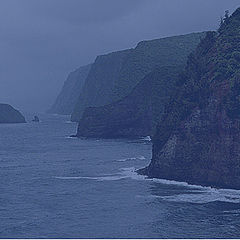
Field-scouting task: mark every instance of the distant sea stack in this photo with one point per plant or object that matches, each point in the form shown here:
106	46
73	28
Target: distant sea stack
198	139
10	115
113	76
70	92
136	115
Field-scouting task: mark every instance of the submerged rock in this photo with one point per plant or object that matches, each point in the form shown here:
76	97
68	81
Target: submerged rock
10	115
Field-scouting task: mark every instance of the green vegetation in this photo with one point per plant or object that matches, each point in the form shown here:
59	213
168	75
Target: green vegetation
215	62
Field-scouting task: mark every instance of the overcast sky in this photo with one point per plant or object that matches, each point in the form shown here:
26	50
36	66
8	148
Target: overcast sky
41	41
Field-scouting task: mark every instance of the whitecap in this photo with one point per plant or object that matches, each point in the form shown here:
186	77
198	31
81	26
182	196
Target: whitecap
72	178
69	122
197	193
131	159
204	197
147	138
103	178
69	137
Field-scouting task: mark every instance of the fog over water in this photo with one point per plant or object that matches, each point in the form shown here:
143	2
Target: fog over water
42	41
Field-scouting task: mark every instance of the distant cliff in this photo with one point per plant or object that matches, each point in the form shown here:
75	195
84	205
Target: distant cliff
198	139
135	115
70	92
10	115
113	76
99	85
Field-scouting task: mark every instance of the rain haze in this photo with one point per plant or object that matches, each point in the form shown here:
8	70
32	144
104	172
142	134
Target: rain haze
42	41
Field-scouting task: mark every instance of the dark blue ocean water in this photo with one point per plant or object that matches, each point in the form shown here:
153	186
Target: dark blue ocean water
53	186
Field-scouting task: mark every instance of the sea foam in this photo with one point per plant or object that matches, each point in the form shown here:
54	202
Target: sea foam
195	193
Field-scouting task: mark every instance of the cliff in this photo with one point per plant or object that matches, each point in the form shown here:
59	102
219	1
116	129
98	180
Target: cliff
70	92
113	76
134	115
98	88
10	115
198	139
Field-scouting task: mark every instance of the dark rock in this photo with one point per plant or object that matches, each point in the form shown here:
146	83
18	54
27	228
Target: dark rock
70	92
113	76
10	115
135	115
36	119
198	139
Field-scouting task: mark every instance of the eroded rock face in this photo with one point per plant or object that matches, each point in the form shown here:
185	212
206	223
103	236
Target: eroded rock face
100	82
67	98
198	139
113	76
10	115
135	115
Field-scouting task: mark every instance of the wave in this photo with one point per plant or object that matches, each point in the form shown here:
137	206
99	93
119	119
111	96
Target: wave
70	122
195	193
205	197
68	137
147	138
131	159
102	178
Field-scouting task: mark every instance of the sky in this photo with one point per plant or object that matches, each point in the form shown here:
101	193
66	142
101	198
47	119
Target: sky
41	41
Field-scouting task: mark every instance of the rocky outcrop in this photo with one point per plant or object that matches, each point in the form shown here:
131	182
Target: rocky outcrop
70	92
113	76
10	115
198	139
135	115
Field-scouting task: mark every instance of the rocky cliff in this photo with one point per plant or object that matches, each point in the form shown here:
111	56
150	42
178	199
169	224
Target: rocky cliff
198	139
70	92
113	76
100	82
134	115
10	115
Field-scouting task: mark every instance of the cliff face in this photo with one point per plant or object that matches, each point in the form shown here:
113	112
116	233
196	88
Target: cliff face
70	92
198	139
10	115
134	115
114	76
98	88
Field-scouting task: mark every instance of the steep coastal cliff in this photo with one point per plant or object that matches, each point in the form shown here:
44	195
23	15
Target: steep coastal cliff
70	92
135	115
99	85
198	139
113	76
10	115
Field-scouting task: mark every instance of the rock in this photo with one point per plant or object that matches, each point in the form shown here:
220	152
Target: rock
113	76
70	92
36	119
10	115
135	115
198	139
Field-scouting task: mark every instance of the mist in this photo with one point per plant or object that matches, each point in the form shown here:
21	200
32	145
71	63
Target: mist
42	41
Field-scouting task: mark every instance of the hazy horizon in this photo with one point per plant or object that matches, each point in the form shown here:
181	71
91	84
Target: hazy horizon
42	41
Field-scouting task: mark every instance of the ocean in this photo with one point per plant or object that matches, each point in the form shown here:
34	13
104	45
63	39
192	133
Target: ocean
55	186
